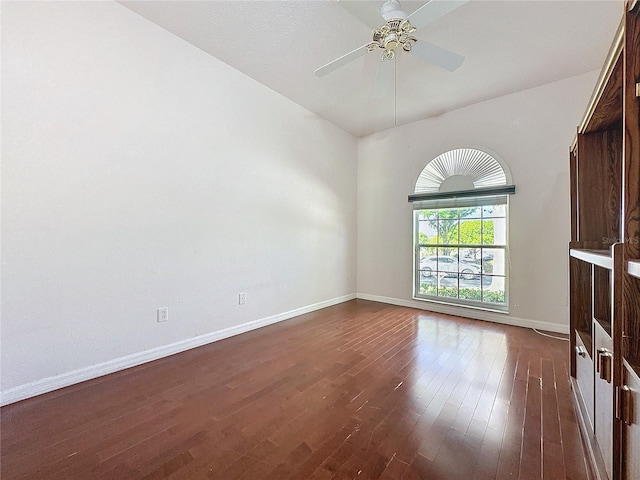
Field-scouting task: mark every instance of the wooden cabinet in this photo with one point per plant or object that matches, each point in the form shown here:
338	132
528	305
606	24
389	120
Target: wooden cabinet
604	263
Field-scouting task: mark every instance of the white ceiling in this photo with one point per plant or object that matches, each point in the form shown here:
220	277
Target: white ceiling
509	45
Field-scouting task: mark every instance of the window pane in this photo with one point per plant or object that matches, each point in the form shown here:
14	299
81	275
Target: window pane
428	263
448	213
427	232
468	270
471	231
448	288
492	211
428	286
494	231
475	212
428	214
448	232
427	252
487	232
493	292
494	261
470	289
471	255
447	263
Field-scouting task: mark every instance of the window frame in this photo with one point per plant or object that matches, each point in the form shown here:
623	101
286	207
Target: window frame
458	302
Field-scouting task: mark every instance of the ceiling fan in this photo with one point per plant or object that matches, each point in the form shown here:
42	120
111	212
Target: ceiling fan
397	32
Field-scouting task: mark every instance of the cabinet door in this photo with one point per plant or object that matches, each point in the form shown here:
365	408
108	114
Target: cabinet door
603	389
584	378
630	414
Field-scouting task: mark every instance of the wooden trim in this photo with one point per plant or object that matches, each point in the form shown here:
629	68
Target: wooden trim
631	188
573	190
608	69
631	157
617	321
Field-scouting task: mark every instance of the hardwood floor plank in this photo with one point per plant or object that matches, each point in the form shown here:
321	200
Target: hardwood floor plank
531	455
552	458
511	446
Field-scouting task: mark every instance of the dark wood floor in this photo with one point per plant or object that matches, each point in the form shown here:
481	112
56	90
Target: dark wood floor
360	390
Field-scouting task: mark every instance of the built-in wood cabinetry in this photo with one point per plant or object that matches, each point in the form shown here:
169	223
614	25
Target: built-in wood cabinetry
604	261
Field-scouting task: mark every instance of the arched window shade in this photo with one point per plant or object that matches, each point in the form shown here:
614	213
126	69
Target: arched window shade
479	167
461	173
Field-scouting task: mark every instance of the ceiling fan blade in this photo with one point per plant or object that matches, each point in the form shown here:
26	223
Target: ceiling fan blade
438	56
433	10
385	79
342	61
364	11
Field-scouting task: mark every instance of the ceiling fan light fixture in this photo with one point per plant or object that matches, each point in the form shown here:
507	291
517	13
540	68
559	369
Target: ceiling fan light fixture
391	41
391	35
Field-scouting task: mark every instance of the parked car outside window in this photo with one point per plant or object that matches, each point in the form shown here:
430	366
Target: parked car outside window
448	266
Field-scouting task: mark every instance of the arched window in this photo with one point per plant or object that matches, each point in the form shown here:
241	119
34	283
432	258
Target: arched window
461	224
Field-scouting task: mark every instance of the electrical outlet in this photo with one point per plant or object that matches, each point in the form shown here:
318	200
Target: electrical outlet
242	298
163	314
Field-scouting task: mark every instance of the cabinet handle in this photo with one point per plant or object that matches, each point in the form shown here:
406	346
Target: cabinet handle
580	350
618	402
624	404
599	352
605	365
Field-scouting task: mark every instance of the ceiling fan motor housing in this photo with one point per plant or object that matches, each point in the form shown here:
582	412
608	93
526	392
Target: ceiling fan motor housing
391	11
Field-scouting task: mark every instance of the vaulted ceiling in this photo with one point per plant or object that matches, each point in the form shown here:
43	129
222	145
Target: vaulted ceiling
509	45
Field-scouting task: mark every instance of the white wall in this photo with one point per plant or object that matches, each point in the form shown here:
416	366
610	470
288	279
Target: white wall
531	130
138	172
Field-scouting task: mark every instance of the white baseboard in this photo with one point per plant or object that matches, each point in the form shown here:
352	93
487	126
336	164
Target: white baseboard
49	384
469	313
